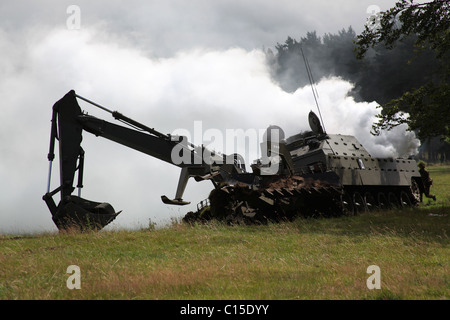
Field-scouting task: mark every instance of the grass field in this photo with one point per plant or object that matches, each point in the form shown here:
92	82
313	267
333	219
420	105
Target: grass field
304	259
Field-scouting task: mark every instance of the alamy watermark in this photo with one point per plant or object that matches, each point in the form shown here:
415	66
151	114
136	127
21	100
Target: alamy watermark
373	22
264	144
73	21
374	281
74	280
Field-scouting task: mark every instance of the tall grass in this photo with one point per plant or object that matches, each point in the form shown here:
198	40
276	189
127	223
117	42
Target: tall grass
304	259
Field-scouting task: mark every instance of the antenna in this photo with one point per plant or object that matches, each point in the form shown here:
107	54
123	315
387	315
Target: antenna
313	87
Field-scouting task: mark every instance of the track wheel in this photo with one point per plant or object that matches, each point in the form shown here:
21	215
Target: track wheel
405	199
394	200
347	204
371	203
383	202
359	203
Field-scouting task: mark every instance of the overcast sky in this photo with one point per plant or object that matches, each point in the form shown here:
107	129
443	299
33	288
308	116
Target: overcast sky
166	27
167	64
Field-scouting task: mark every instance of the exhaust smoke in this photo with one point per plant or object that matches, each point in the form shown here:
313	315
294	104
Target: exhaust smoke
224	89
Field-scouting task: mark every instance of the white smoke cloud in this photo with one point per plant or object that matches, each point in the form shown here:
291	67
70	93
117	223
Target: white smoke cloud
341	114
225	89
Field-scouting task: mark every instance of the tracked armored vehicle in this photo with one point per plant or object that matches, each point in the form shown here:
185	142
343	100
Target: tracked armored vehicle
317	174
308	174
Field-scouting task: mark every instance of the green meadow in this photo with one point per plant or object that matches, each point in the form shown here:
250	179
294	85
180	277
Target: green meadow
305	259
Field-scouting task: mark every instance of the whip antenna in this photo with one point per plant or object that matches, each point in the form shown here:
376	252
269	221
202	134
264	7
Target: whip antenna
313	87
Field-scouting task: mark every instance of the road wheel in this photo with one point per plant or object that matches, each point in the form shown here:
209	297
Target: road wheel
371	203
347	204
405	199
394	200
359	203
383	202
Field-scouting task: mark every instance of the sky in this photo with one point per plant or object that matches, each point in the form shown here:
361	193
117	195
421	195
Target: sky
171	65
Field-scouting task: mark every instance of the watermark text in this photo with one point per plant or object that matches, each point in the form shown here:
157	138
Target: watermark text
73	22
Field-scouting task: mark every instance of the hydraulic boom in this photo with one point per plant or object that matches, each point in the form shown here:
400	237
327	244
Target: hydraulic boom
68	124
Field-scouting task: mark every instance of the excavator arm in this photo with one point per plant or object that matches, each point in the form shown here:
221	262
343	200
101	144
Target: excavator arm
68	124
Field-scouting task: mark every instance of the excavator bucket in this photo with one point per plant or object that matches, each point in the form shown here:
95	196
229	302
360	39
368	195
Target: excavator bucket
80	214
72	212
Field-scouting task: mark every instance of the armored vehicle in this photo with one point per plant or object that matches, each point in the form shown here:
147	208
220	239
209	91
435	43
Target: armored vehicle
308	174
316	174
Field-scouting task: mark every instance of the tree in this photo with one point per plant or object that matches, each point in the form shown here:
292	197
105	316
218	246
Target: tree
428	106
